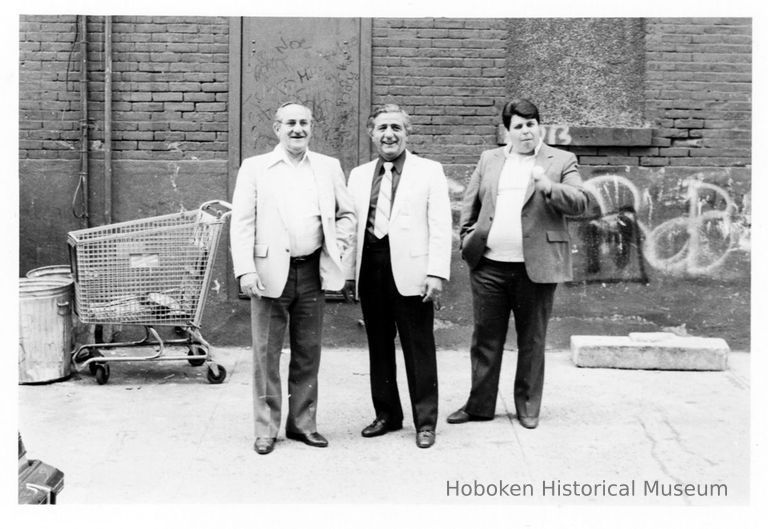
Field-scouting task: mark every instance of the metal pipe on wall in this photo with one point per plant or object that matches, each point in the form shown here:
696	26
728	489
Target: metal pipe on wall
84	118
108	120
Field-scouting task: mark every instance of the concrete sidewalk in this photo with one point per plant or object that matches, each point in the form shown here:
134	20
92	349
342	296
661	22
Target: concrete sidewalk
160	433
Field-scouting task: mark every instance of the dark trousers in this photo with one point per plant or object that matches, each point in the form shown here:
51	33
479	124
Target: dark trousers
386	313
498	289
300	309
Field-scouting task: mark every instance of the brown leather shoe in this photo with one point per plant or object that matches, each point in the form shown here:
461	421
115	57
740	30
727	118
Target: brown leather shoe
264	445
380	427
460	416
425	438
528	422
311	439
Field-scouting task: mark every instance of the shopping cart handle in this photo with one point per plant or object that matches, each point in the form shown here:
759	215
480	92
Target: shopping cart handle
217	208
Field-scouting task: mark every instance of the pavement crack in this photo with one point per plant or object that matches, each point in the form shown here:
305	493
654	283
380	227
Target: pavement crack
679	440
738	381
654	451
523	456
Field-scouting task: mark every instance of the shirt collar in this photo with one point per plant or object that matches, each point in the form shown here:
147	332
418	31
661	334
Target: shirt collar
278	154
536	149
397	163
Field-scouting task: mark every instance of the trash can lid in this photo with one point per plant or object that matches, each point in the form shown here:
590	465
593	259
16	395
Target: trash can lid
52	270
44	286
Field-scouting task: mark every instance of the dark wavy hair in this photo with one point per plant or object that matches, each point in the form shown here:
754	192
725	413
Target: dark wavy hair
389	107
520	107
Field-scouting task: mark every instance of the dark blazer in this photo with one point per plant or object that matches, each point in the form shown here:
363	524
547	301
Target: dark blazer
546	243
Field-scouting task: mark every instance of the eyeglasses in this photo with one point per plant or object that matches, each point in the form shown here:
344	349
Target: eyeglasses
292	123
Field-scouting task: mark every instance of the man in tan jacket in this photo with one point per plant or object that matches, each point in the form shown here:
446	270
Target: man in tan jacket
292	225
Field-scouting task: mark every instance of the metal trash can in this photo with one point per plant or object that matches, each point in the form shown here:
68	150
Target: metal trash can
82	333
45	329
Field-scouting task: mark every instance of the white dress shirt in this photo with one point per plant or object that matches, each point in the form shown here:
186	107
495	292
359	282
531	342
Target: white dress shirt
303	208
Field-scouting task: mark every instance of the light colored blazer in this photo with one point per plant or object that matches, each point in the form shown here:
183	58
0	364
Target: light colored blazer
258	233
546	243
420	228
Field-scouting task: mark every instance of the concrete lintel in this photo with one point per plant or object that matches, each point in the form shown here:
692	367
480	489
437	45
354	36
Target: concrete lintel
670	352
589	136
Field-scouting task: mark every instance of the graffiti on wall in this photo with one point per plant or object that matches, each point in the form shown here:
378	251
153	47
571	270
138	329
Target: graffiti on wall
315	62
689	230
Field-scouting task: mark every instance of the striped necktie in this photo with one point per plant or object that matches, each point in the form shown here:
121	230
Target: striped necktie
384	203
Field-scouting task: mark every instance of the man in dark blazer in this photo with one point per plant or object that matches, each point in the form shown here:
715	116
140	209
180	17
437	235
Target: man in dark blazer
514	237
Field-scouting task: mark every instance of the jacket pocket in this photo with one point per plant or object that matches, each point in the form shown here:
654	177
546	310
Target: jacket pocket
558	236
260	250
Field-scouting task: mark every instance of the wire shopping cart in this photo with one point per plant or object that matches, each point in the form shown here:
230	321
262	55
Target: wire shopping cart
150	272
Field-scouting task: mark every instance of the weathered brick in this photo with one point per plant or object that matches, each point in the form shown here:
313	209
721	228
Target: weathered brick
167	96
709	162
673	151
609	160
652	161
166	136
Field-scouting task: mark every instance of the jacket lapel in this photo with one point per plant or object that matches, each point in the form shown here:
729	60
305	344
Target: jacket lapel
324	198
495	165
402	186
272	187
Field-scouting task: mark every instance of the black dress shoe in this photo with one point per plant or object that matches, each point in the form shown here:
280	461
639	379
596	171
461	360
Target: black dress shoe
264	445
380	427
528	422
425	438
311	439
460	416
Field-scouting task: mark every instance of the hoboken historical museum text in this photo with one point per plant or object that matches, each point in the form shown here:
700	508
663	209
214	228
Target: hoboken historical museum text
558	489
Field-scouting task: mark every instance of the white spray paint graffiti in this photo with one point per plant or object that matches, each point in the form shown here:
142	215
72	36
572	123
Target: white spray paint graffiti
694	244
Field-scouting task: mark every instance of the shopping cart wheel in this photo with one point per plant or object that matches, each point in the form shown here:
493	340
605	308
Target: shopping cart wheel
213	379
94	353
102	374
196	350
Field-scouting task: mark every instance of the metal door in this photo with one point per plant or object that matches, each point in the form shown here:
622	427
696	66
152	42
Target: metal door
323	63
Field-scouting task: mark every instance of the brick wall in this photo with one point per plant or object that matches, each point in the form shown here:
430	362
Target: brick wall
49	106
170	88
449	74
169	82
699	91
169	114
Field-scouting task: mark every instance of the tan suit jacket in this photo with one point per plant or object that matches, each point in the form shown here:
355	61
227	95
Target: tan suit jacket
258	233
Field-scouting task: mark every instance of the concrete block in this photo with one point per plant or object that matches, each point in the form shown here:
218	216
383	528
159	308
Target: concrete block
651	350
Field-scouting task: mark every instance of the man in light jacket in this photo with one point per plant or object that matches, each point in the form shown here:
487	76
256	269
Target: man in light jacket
402	260
292	225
